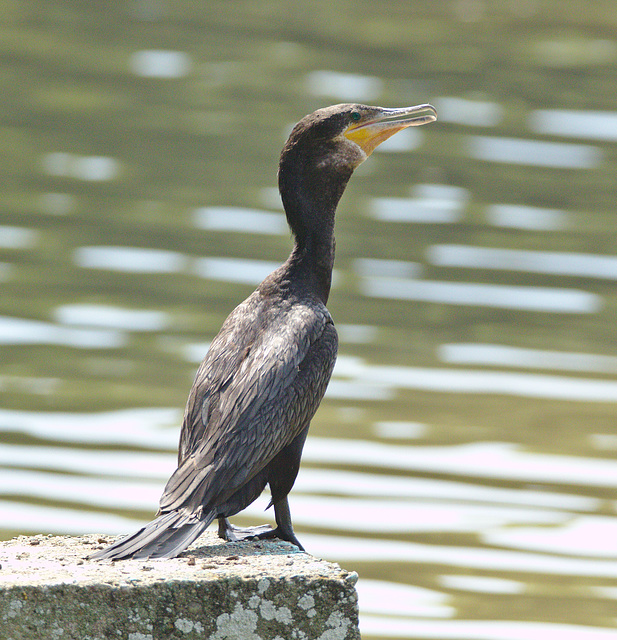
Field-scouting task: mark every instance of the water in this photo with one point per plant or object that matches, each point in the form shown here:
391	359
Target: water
464	460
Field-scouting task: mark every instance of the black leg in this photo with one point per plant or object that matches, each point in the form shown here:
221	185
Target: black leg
284	528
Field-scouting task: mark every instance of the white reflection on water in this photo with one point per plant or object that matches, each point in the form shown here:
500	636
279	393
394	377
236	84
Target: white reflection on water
472	113
356	333
497	460
196	351
585	265
130	259
348	549
88	168
531	385
160	63
506	356
481	584
123	464
138	427
519	216
138	260
234	269
478	629
595	125
603	441
399	429
112	317
592	536
61	521
430	203
241	220
550	299
390	598
21	331
344	86
112	494
358	390
17	237
557	155
271	198
604	592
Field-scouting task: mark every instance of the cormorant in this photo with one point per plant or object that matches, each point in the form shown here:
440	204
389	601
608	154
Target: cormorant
254	395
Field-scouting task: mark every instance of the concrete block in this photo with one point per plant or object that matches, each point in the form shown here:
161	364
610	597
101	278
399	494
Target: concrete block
214	590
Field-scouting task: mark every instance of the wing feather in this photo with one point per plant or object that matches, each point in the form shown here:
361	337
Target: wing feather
259	386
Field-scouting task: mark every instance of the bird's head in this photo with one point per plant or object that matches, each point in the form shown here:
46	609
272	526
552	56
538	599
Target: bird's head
326	146
345	135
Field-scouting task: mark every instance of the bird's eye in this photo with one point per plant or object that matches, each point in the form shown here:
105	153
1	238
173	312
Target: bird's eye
355	116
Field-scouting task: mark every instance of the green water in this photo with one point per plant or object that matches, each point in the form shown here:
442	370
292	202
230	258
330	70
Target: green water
98	153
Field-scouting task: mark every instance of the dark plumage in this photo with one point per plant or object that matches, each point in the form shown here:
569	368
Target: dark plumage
266	372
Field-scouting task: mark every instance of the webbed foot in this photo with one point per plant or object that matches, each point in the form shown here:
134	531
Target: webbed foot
231	533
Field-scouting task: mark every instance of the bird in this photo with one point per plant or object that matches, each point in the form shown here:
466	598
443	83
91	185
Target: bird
266	372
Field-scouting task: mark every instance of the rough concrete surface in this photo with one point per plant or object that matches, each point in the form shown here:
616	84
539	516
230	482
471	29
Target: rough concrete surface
214	590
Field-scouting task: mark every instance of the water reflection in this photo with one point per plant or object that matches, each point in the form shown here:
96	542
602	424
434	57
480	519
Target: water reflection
241	220
400	430
111	317
345	87
535	153
473	113
434	204
478	630
89	168
525	217
388	598
234	270
160	64
20	331
590	536
476	381
17	237
496	561
563	264
547	299
481	584
596	125
507	356
130	259
495	460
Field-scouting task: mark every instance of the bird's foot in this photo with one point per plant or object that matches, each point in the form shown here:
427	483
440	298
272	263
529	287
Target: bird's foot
231	533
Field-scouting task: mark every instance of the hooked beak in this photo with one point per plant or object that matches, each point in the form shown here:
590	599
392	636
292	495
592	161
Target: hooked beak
369	134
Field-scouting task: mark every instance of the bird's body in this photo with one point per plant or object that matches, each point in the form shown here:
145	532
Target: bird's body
267	370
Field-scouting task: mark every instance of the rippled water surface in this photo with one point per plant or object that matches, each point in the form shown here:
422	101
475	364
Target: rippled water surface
464	461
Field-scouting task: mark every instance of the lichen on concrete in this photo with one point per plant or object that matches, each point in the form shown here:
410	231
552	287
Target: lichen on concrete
214	591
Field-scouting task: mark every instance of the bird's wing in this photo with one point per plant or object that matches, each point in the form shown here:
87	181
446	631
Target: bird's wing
252	396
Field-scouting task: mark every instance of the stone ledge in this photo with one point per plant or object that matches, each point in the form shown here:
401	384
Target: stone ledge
213	591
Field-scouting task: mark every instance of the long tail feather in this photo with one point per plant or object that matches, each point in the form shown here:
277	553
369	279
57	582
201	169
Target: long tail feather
164	537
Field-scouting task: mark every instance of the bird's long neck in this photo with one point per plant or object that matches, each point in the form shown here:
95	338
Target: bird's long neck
312	260
310	198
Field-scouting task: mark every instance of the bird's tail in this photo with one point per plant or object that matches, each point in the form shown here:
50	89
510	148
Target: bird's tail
164	537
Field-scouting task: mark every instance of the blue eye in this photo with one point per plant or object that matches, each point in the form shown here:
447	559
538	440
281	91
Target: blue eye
355	116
